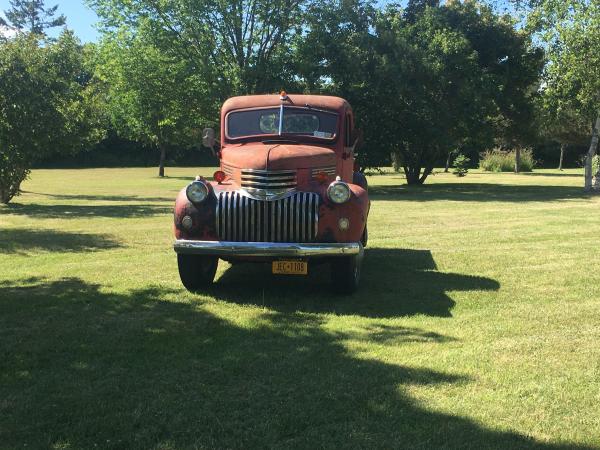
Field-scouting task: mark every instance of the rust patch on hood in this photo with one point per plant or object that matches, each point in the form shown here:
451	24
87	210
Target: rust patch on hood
277	156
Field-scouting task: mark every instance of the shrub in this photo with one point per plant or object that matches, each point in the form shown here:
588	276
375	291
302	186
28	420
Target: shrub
504	161
461	163
12	173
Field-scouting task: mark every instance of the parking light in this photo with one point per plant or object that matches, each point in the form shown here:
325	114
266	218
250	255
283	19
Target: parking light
219	176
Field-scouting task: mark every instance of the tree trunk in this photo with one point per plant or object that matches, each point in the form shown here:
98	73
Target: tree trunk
426	173
517	160
448	161
161	163
562	156
412	175
590	154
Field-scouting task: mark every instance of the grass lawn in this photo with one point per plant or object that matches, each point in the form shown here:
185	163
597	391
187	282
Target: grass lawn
477	324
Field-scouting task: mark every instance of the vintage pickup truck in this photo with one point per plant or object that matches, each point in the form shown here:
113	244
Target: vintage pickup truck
287	192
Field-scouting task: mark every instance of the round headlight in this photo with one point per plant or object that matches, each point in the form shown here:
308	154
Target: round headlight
197	191
338	192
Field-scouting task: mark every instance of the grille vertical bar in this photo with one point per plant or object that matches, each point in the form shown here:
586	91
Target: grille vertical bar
218	212
284	226
293	219
273	221
303	213
234	214
316	219
265	221
310	214
252	213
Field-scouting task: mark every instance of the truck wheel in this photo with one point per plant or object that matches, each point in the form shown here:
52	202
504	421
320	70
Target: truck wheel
345	274
197	271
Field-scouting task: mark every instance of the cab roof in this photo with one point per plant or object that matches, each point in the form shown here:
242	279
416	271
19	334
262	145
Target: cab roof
260	101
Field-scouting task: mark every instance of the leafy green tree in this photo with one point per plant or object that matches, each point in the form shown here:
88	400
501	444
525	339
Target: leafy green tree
46	105
559	122
571	33
338	55
153	97
237	46
32	16
415	8
423	81
168	65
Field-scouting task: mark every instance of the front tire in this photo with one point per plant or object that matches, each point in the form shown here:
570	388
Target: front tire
345	273
197	272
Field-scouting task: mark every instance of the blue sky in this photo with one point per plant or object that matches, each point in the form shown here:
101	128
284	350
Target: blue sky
80	18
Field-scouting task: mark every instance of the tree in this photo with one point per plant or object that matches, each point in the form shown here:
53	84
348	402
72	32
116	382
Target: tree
415	8
239	46
33	16
461	165
559	122
170	64
571	33
152	97
452	76
45	105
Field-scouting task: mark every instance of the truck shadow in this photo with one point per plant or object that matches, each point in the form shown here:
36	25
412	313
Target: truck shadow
394	282
475	192
85	368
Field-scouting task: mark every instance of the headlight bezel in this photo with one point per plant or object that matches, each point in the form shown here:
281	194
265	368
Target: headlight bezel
334	187
197	184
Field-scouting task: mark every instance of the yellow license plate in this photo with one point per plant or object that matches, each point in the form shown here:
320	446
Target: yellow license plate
290	267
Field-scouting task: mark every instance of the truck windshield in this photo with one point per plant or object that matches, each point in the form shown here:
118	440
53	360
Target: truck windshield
268	121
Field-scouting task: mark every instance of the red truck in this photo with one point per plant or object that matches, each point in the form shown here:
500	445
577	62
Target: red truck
287	192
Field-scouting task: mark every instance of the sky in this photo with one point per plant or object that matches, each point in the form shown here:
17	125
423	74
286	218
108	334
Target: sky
80	18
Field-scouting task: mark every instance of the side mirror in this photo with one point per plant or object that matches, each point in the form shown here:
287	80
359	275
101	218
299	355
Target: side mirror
208	138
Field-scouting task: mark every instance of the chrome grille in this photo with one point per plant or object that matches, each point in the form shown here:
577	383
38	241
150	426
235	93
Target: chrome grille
244	219
268	179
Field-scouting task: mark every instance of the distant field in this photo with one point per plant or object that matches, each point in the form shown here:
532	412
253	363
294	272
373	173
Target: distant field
477	324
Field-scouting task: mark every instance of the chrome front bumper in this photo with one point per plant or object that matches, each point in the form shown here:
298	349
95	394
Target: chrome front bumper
267	249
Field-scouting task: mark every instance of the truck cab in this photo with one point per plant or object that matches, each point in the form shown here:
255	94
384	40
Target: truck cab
286	192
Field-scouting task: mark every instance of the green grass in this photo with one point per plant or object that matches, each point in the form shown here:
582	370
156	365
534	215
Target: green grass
476	326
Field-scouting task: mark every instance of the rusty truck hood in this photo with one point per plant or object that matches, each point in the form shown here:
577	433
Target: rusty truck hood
277	156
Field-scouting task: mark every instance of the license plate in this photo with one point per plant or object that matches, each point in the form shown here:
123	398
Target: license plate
290	267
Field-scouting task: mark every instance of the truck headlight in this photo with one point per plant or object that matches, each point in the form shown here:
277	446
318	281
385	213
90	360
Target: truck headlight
338	192
197	191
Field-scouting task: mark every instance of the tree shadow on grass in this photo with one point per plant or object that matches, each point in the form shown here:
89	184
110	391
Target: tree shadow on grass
476	192
25	241
106	198
394	282
84	368
46	211
560	175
